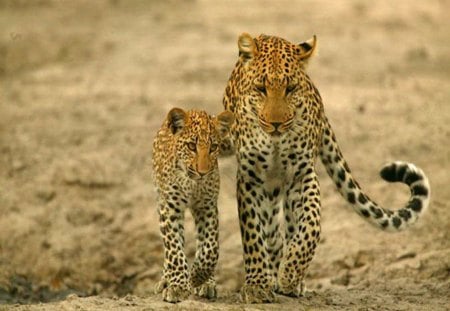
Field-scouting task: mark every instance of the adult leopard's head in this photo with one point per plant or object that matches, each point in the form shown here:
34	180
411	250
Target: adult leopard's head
273	71
197	137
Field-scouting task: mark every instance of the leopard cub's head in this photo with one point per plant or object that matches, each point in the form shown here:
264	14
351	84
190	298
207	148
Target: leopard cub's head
197	139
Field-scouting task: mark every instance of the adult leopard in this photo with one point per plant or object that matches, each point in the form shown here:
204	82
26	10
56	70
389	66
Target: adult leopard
279	131
186	174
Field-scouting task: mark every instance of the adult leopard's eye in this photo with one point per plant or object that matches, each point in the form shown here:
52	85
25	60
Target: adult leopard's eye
290	89
192	146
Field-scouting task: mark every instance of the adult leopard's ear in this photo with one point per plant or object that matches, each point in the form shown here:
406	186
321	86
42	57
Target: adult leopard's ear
247	47
308	48
176	119
224	121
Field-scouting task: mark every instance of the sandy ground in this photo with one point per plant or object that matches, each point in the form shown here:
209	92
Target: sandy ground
83	88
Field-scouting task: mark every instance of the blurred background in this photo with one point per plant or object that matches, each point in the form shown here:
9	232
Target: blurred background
84	85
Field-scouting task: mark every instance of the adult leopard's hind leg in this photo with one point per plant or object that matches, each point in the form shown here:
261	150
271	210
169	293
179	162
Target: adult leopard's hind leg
303	201
207	252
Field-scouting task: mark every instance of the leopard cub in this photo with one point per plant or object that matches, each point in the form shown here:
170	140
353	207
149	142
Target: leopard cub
186	175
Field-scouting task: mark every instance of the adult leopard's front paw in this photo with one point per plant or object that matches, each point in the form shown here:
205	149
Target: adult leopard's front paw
290	281
254	293
206	290
176	293
292	290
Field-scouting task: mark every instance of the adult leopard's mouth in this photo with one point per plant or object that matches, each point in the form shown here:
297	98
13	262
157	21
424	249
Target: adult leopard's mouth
275	128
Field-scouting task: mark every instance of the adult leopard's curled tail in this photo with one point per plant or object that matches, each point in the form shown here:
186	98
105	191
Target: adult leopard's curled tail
386	219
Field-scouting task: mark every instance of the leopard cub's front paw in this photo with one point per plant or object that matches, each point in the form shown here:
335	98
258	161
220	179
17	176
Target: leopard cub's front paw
160	286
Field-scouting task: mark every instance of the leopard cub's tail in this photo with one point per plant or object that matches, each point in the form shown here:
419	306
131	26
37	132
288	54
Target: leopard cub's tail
386	219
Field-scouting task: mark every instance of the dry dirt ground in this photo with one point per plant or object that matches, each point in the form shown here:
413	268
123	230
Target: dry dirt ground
85	84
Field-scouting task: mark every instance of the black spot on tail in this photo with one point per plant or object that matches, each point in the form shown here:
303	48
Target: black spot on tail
419	190
396	222
393	172
365	213
347	168
351	197
377	212
341	174
362	198
412	177
351	184
415	205
405	214
388	172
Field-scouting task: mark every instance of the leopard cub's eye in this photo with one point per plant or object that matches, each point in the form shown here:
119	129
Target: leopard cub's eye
192	146
214	147
261	88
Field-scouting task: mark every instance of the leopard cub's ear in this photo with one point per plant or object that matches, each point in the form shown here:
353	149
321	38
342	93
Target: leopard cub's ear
247	47
308	48
176	119
224	121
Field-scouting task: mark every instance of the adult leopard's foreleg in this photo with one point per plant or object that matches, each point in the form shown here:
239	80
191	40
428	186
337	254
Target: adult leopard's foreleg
304	231
268	213
258	286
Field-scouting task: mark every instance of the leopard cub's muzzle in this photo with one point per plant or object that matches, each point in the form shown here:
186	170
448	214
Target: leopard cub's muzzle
202	165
